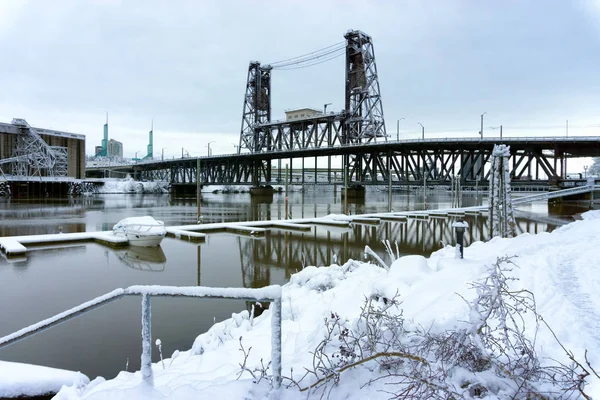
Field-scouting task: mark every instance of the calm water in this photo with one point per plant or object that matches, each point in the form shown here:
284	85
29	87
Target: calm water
50	280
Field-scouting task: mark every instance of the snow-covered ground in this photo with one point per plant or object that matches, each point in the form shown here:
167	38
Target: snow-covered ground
561	268
18	379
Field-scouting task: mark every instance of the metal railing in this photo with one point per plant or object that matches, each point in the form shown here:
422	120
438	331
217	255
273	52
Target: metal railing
271	294
555	194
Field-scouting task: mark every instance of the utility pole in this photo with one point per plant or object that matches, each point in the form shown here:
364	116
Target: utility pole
198	195
398	128
481	131
500	131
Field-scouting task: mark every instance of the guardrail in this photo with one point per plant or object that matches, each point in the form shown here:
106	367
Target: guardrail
555	194
271	294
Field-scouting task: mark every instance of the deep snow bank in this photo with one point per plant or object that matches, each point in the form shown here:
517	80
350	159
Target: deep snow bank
561	268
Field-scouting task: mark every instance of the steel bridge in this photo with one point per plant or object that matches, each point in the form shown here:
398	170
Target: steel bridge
534	161
357	137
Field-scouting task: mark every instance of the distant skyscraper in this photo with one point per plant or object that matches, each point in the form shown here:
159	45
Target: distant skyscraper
115	148
150	154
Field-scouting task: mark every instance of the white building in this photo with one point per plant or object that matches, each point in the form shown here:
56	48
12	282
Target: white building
301	113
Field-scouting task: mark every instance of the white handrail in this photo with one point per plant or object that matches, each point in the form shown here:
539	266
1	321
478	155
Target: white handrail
270	294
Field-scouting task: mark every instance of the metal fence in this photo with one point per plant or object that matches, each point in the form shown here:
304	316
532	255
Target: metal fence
271	294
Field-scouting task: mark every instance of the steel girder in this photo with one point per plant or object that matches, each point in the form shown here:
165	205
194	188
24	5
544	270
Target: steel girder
365	121
309	133
257	108
442	166
438	167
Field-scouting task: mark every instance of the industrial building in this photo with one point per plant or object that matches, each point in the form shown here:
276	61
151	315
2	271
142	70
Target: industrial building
26	151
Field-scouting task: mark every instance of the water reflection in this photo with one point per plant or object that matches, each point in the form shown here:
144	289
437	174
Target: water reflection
151	259
291	251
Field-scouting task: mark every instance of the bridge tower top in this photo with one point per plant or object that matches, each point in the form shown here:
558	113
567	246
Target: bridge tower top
362	117
257	106
363	105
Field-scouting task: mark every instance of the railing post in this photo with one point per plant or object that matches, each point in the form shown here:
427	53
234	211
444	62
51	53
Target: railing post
276	342
146	370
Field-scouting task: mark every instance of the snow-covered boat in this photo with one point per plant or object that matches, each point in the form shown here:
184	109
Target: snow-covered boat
141	231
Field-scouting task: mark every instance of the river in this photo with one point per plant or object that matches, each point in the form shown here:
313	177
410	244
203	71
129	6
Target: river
52	279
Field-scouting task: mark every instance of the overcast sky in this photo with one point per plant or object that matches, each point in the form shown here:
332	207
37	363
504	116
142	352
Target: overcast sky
184	63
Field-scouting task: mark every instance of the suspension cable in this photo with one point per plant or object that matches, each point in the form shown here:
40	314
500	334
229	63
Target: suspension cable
315	62
324	49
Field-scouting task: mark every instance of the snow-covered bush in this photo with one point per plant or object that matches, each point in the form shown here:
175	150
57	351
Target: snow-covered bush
491	355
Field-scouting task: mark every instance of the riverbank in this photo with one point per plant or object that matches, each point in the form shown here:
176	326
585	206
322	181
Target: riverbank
560	268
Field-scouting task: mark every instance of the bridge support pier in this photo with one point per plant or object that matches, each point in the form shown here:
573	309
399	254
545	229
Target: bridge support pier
354	192
262	191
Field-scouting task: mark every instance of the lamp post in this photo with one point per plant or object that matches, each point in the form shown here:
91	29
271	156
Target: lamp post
208	145
398	129
235	146
135	158
325	108
422	131
459	227
585	167
162	154
481	131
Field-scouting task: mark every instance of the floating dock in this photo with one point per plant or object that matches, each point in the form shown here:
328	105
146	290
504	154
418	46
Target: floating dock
16	246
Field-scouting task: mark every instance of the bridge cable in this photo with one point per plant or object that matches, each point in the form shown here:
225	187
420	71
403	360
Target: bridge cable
330	57
273	64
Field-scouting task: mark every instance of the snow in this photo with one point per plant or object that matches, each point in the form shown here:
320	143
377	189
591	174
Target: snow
129	185
560	268
18	379
460	224
145	220
266	293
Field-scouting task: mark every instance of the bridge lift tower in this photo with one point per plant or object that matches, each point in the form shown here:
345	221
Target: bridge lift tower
361	121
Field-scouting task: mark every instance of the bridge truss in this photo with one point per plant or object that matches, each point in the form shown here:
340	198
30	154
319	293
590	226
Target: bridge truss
533	161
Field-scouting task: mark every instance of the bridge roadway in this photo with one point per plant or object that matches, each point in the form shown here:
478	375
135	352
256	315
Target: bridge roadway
439	160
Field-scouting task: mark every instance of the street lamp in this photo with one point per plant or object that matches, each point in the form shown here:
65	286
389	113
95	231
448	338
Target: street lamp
422	130
459	227
325	108
585	167
162	154
398	129
235	146
208	145
481	131
135	158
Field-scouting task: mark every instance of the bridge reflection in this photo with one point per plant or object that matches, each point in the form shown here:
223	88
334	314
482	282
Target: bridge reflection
291	251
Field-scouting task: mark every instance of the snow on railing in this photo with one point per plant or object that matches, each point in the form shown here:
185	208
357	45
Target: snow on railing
555	194
270	294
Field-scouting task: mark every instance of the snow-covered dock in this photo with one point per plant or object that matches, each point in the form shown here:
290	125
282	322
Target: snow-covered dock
25	380
15	245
